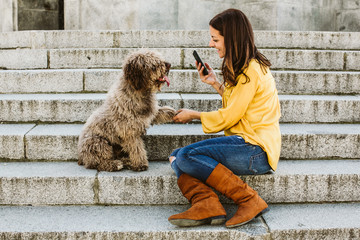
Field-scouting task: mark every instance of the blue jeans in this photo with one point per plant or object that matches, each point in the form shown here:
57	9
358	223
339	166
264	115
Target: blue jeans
199	159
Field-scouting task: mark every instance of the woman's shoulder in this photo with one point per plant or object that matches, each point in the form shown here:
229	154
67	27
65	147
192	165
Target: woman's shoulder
254	65
254	71
255	68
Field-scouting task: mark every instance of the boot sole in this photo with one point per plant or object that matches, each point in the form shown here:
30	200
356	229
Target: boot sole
191	223
258	215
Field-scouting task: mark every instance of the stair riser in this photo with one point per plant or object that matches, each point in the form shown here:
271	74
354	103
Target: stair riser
23	59
78	109
288	59
184	235
185	81
273	188
179	58
178	235
69	184
47	191
332	233
42	81
336	221
115	190
294	146
46	145
180	38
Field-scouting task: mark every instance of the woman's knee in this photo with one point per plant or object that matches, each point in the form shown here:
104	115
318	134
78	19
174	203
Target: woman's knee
183	158
174	153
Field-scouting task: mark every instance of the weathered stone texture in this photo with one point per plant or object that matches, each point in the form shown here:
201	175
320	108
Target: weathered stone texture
294	15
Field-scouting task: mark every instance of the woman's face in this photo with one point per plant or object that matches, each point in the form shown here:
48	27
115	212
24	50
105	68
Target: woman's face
217	41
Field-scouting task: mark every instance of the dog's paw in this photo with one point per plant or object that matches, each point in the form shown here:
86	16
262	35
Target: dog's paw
164	115
118	165
140	168
169	110
110	166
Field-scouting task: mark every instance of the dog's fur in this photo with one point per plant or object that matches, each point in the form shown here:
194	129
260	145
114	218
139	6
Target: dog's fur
112	136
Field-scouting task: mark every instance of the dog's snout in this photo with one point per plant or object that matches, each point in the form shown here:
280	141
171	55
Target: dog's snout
168	65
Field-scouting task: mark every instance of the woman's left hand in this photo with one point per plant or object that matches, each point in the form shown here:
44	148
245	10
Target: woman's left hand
186	115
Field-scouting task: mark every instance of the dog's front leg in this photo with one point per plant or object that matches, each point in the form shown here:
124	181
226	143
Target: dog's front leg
164	115
135	147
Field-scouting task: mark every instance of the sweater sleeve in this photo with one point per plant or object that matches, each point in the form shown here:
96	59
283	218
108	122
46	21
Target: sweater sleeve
235	107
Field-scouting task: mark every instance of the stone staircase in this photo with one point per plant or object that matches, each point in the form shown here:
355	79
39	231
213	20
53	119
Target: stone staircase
51	81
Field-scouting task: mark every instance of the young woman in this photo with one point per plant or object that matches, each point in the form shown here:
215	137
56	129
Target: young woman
250	119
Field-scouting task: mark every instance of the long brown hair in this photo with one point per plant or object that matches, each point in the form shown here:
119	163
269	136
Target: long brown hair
239	42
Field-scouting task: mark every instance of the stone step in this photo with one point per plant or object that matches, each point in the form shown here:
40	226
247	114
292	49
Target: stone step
78	107
284	59
58	142
171	39
283	221
184	81
67	183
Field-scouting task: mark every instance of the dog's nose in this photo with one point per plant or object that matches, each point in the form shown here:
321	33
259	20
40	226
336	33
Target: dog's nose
168	65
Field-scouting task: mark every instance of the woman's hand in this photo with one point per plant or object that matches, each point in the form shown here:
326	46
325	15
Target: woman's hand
208	79
186	115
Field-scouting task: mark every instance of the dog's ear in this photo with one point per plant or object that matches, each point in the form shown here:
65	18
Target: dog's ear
135	73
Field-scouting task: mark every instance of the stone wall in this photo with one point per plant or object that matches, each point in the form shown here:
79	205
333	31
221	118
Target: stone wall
312	15
318	15
292	15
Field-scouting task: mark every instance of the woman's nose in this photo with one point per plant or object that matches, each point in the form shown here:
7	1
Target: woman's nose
211	44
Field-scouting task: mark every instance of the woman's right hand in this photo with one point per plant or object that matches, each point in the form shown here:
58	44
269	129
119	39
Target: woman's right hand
208	79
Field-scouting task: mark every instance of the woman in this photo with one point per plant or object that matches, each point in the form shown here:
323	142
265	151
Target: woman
250	119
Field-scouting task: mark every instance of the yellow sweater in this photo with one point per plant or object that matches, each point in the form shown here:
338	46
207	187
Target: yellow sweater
250	110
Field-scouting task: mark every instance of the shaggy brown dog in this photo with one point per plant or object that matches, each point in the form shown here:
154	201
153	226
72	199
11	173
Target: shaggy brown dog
112	136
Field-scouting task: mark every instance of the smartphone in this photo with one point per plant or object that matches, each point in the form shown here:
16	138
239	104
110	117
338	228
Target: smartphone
198	59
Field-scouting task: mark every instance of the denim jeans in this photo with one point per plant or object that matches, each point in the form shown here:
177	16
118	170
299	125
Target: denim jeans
199	159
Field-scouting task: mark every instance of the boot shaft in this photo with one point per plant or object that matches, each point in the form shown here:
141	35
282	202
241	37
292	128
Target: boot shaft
194	190
227	183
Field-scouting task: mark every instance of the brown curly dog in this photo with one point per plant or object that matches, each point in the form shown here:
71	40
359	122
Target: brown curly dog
112	136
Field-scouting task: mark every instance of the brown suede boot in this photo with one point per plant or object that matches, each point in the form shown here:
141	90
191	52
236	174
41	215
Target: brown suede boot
206	207
250	204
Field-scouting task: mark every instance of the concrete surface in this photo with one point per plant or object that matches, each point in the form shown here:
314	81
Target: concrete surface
304	221
317	74
23	59
265	15
12	140
281	59
61	183
45	184
299	141
181	81
317	221
63	108
173	39
125	222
